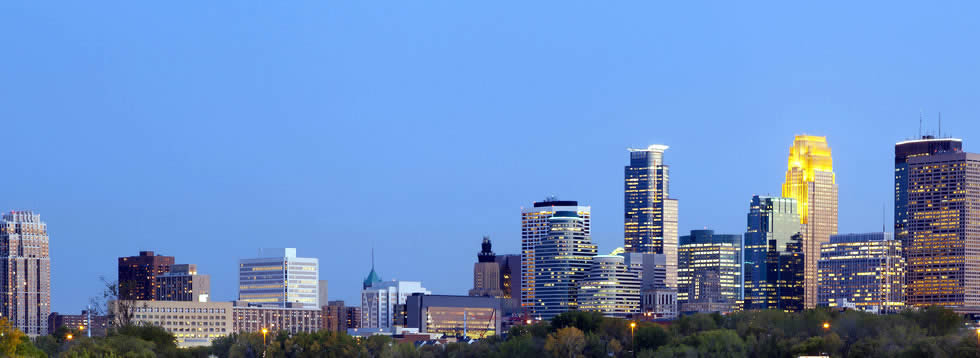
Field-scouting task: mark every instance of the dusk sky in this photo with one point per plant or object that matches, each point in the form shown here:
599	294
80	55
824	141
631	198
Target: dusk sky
208	130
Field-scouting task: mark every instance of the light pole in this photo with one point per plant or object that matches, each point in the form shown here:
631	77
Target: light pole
264	331
978	342
632	338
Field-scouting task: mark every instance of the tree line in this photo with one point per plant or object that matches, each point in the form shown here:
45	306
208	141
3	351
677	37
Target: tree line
930	332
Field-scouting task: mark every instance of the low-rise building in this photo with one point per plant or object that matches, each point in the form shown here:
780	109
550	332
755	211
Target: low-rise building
79	322
862	271
252	318
659	303
192	323
458	316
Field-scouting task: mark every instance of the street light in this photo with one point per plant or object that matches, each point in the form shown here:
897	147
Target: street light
264	331
632	338
69	336
826	325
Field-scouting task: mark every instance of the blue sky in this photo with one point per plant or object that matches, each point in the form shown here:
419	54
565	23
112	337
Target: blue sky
207	131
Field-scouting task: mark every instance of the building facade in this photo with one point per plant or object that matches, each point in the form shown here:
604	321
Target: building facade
280	278
98	324
610	287
137	275
192	323
250	318
659	303
650	220
650	268
925	146
486	273
943	252
183	283
25	272
534	228
709	273
811	181
862	271
772	222
457	316
560	262
378	302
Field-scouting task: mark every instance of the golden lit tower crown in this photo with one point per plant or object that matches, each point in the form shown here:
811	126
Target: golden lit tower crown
810	180
808	155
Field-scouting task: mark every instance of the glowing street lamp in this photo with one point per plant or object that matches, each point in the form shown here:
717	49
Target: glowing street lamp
632	339
264	331
826	325
69	336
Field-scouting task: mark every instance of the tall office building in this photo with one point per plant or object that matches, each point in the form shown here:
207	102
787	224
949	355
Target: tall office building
534	228
560	262
788	275
279	278
709	273
378	301
862	271
943	252
25	272
610	287
810	180
486	272
183	283
650	220
925	146
137	275
772	224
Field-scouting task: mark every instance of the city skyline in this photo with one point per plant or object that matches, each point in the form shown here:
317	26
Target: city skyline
128	133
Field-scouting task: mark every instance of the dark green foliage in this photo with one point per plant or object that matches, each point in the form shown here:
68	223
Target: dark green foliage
932	332
587	322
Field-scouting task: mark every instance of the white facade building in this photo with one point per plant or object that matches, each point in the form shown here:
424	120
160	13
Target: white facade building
378	301
279	278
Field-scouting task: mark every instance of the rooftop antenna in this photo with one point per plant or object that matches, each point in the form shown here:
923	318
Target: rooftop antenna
372	259
940	135
882	217
920	123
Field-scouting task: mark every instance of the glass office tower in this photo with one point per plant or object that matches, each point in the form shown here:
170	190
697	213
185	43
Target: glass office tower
650	220
560	263
862	271
772	223
943	253
925	146
810	180
535	226
709	273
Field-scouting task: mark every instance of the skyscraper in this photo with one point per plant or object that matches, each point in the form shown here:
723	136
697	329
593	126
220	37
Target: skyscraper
183	283
486	272
943	253
810	180
610	287
650	220
863	271
560	262
137	275
534	228
279	278
925	146
772	223
709	273
25	272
